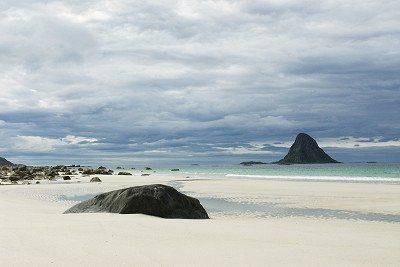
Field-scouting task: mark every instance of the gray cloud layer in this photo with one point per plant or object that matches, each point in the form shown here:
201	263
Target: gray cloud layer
187	80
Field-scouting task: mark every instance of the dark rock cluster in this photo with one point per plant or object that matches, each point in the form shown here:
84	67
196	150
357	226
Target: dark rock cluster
99	171
22	174
15	173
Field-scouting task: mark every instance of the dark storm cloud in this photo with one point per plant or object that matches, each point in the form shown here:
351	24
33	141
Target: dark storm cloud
158	80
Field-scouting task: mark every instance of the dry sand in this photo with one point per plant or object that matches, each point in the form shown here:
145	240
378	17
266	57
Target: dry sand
34	232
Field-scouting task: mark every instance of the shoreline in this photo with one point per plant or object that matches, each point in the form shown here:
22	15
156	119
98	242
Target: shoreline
316	178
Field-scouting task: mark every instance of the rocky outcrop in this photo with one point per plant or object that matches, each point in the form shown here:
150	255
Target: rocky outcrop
95	180
60	168
156	200
305	150
21	172
100	170
251	163
124	173
4	162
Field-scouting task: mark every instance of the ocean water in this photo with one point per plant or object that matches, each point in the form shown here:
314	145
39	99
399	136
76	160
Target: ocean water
369	172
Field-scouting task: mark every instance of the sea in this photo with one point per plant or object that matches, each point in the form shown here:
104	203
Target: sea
352	172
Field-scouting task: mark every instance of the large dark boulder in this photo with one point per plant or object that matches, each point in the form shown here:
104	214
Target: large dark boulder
156	200
305	150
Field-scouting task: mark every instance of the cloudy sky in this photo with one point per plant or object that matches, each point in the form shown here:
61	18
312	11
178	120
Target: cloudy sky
197	81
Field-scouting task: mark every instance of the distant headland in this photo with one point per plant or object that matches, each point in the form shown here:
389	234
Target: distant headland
4	162
305	150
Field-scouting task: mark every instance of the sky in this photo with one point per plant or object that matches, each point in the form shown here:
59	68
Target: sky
197	81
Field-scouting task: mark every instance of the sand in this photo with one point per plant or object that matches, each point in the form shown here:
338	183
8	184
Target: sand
34	232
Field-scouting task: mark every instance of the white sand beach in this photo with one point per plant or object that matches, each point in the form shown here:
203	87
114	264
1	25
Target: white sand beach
340	225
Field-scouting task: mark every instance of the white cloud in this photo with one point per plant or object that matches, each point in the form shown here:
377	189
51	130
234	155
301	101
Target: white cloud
36	143
74	140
